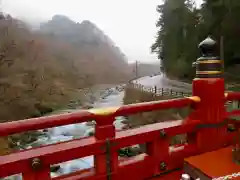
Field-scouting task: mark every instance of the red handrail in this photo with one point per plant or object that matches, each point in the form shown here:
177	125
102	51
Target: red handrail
65	151
156	136
230	96
88	115
104	118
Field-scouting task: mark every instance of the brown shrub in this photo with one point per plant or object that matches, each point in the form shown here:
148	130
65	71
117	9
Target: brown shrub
39	73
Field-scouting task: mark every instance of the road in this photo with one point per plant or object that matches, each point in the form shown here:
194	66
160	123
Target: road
163	82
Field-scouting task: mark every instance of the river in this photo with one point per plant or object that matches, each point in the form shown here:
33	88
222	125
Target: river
64	133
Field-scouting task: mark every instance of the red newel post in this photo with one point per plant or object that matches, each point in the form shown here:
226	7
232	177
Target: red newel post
106	163
37	171
158	150
209	86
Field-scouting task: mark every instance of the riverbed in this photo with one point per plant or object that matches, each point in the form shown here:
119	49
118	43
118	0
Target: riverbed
73	131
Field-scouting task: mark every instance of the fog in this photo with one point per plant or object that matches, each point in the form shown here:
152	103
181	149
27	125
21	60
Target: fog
129	23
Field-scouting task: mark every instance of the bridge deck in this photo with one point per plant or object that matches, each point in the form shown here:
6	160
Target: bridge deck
220	164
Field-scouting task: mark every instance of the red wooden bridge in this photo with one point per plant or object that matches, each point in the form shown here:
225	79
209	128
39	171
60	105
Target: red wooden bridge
206	127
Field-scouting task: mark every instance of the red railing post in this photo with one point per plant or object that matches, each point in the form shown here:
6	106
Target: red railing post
37	171
37	175
158	150
209	86
104	131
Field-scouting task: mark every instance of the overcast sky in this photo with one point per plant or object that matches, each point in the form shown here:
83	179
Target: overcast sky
129	23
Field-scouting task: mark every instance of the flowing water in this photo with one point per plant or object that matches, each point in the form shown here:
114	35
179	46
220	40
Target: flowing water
64	133
115	98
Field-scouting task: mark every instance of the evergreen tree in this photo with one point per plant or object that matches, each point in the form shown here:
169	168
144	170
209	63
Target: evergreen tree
176	36
181	27
221	19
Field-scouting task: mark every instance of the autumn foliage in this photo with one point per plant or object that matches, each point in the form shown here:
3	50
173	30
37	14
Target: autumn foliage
39	72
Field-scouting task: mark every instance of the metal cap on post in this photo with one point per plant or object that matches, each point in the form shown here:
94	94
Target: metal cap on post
209	86
209	65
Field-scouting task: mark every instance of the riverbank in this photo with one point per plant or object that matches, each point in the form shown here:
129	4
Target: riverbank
133	95
80	130
82	99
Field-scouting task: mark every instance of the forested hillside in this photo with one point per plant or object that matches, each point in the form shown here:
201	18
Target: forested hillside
44	69
91	47
182	25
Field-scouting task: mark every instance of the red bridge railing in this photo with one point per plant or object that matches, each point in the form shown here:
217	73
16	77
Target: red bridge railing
208	119
97	146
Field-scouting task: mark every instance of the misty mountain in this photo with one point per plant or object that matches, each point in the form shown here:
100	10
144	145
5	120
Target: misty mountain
87	36
45	69
81	35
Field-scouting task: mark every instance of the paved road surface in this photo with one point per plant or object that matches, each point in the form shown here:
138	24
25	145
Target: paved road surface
163	82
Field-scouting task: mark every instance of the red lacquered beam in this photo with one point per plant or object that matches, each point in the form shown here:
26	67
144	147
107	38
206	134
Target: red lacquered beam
151	132
230	96
51	154
85	115
156	105
65	151
87	173
183	152
176	158
44	122
233	113
140	167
